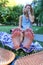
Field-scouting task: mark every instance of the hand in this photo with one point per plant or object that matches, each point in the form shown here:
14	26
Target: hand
29	12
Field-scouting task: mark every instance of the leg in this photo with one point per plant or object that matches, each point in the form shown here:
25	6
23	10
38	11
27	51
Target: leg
28	38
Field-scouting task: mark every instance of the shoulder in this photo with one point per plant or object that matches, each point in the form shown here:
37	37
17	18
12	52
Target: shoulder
20	17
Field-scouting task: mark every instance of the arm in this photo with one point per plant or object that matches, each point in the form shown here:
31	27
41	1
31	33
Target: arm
20	21
31	17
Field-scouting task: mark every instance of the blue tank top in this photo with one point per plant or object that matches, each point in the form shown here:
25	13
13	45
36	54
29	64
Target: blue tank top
26	23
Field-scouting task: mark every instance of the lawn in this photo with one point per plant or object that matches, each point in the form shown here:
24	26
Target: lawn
38	30
6	28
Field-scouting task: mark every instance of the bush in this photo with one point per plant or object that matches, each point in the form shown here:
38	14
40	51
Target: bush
38	9
10	15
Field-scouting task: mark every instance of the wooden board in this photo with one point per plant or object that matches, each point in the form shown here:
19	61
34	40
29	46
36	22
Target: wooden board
33	59
6	56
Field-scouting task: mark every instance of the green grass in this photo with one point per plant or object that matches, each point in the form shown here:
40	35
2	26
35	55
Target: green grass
38	30
6	28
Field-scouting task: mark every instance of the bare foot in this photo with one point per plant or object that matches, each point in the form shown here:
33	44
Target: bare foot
17	37
28	38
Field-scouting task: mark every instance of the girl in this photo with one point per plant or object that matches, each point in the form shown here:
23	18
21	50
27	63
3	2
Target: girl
25	23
